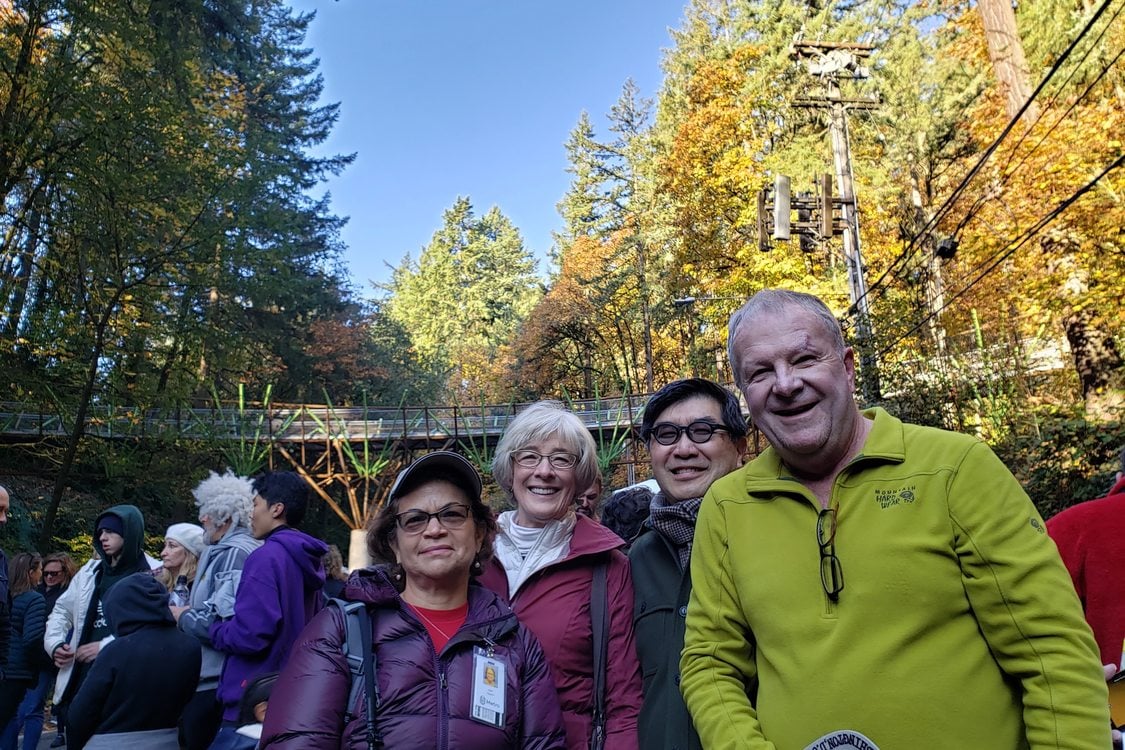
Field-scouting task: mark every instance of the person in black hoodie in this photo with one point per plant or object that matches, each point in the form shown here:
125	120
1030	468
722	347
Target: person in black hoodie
125	702
77	626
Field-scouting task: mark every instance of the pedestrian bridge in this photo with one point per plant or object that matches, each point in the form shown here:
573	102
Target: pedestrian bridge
301	423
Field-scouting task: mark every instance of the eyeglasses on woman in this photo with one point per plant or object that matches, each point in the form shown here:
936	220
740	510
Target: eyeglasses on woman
530	459
452	517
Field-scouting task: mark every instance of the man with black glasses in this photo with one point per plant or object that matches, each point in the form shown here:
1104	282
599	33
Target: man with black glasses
873	584
695	433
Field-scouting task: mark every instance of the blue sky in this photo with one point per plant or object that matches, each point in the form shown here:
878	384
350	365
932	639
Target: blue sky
441	98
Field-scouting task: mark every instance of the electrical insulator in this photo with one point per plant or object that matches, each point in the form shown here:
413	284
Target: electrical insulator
826	229
781	207
804	231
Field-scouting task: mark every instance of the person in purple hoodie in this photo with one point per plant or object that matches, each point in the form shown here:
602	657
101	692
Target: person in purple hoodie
278	593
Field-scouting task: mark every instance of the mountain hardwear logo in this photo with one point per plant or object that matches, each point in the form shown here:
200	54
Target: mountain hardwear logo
887	498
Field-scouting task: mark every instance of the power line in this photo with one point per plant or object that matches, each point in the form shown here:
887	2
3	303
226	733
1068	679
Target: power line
1007	251
946	206
1081	97
1008	173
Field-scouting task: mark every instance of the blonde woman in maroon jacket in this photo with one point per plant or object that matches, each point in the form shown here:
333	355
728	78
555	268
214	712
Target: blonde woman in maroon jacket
544	560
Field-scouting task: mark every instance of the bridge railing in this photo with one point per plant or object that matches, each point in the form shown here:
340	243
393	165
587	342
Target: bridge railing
304	422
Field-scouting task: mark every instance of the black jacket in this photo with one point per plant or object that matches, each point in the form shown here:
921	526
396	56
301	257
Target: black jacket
426	696
660	593
143	679
29	620
5	613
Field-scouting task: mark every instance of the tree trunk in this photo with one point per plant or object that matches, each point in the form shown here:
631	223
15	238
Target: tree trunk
1006	52
77	431
1099	364
646	320
21	277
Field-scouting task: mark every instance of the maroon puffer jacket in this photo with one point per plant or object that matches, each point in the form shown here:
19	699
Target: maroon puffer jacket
306	709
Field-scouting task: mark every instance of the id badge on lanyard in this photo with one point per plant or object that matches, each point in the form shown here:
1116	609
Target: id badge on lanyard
488	688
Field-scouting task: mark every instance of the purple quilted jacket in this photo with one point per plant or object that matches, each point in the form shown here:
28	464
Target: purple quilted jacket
425	696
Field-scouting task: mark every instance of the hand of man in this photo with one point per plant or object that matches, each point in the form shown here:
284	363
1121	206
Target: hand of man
88	651
1110	671
62	656
177	611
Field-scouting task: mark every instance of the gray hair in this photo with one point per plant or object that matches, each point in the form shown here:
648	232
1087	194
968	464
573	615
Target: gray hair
541	421
775	302
226	497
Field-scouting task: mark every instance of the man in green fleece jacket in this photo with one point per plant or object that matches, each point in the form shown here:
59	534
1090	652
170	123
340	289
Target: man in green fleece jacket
872	584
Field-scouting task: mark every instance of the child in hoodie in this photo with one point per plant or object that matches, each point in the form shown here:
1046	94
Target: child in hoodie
139	684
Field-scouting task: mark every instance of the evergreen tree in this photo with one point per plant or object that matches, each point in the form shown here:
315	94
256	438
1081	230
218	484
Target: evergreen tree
465	297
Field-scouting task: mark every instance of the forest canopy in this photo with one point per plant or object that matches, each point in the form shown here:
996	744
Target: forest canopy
166	241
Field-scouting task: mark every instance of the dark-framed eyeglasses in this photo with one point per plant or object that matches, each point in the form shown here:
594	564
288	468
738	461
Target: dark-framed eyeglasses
452	517
699	431
831	572
52	573
529	459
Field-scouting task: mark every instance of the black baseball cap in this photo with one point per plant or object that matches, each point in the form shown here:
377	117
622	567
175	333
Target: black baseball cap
439	465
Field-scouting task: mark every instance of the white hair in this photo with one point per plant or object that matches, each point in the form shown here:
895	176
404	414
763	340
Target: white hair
226	497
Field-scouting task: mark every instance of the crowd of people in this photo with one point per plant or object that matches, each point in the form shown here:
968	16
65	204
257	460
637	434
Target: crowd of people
862	584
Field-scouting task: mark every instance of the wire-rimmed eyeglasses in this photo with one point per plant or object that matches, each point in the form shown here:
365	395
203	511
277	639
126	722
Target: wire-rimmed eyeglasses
699	431
452	517
529	459
831	572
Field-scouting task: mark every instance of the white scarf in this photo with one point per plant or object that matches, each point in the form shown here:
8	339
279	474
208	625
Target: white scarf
543	546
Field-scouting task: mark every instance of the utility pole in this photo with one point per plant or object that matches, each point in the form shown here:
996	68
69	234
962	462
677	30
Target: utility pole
832	61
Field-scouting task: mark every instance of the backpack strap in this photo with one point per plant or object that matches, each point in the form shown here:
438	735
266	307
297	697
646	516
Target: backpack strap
359	653
599	610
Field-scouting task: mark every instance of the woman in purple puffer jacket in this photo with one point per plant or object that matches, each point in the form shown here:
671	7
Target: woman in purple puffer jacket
455	670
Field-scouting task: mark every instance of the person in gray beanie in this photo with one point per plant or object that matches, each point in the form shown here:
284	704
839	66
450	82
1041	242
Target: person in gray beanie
224	503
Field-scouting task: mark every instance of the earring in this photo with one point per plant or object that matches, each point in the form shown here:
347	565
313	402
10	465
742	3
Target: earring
476	568
397	573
